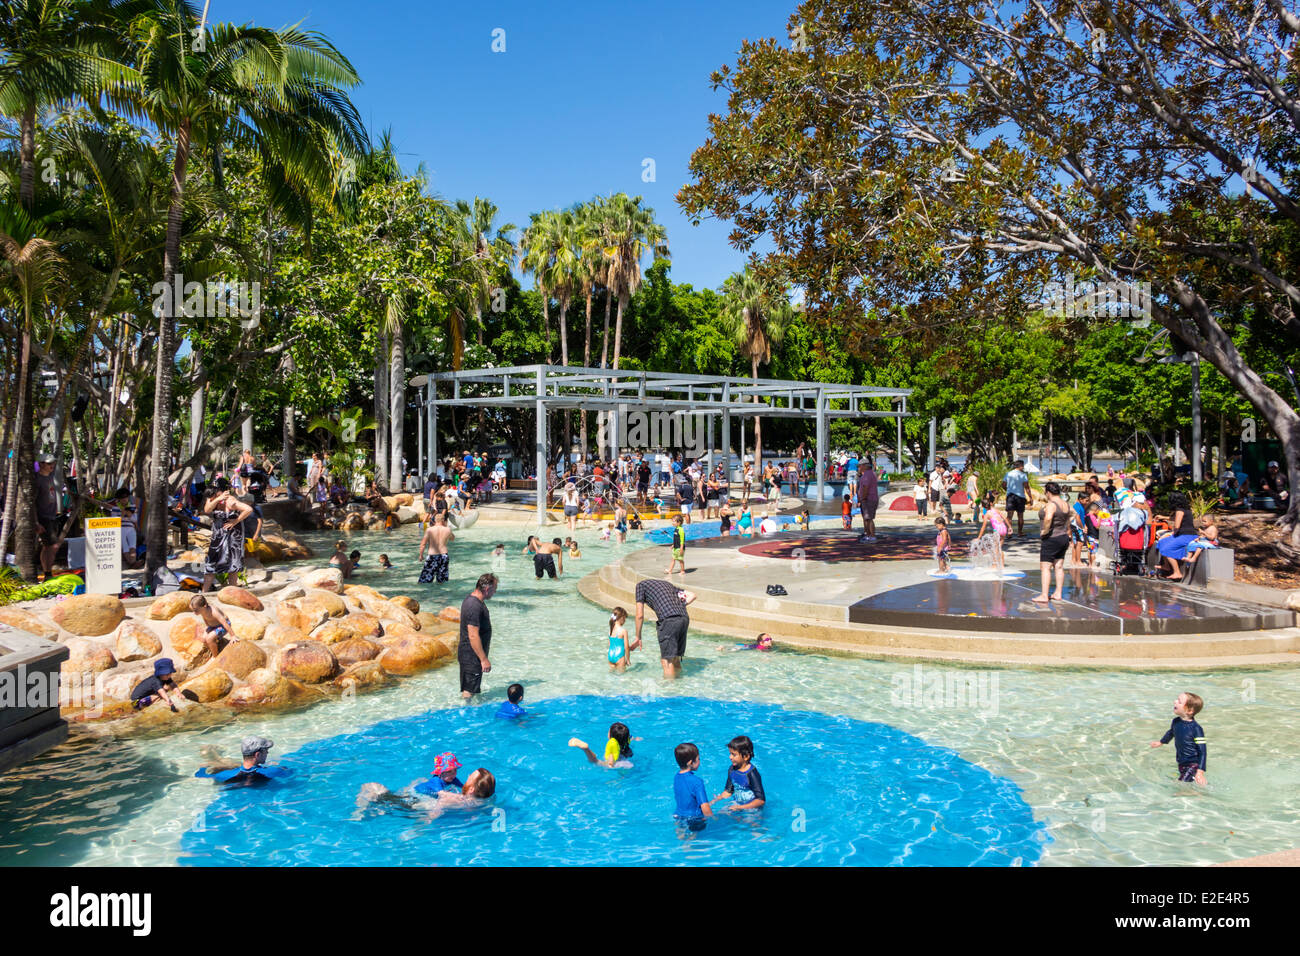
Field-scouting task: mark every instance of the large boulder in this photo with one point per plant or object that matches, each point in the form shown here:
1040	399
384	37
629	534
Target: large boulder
293	614
404	499
450	614
29	622
88	615
240	658
332	602
408	515
280	635
363	592
135	642
354	650
410	603
187	648
212	684
167	606
246	625
88	657
287	593
363	674
409	655
327	579
362	624
119	684
388	611
238	597
429	621
331	632
309	661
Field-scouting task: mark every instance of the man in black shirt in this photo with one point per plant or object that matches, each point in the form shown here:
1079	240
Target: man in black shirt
475	636
669	604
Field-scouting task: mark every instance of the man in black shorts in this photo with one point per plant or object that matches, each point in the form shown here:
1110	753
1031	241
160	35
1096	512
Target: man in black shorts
545	556
1016	483
669	602
475	636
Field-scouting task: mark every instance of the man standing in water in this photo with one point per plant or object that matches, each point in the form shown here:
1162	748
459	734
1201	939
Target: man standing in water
545	556
438	565
669	603
475	636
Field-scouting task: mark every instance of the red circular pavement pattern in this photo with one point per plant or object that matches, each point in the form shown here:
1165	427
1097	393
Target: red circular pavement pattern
845	548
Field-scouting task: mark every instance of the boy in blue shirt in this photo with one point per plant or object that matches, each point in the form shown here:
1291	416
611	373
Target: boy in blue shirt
1188	737
688	790
511	709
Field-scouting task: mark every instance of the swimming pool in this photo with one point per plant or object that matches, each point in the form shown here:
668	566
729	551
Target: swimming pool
1073	743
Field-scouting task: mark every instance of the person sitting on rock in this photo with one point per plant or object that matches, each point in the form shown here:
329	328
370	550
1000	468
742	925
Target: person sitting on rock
156	686
215	623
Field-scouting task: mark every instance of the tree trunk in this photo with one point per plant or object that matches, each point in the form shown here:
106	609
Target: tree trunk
160	463
586	363
288	465
604	336
546	319
20	491
758	431
397	409
618	328
381	409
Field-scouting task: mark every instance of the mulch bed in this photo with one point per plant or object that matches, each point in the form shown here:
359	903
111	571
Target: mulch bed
1261	550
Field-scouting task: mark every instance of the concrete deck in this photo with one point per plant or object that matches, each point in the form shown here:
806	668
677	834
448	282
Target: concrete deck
822	609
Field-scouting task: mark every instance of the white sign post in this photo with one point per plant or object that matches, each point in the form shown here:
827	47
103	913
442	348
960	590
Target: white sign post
104	556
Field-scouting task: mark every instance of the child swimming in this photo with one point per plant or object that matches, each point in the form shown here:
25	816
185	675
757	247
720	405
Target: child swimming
512	708
619	654
762	643
384	563
445	766
618	748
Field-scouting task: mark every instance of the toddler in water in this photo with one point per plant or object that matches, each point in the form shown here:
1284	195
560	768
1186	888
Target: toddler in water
619	653
692	799
512	708
618	749
572	545
1188	738
942	545
443	777
384	563
744	785
762	643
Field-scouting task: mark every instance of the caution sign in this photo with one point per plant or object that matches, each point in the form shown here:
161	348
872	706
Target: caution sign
104	556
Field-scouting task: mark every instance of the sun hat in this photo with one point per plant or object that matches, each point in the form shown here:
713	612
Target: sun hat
163	665
1271	464
445	762
255	745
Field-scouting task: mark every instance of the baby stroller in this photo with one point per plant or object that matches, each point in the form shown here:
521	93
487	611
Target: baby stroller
1132	540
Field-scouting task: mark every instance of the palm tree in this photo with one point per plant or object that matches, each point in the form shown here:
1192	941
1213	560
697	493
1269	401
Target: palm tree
630	232
283	92
535	255
590	274
757	315
30	270
483	249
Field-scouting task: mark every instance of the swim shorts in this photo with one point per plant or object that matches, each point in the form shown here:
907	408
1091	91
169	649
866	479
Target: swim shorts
544	564
1015	504
471	670
1187	772
437	567
672	635
694	824
868	509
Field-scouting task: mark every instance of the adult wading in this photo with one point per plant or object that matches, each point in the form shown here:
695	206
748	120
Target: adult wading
669	602
475	636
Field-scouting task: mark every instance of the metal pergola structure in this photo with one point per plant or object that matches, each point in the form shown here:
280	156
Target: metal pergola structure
542	388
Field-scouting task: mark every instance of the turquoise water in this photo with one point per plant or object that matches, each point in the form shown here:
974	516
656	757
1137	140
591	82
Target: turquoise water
839	792
1075	743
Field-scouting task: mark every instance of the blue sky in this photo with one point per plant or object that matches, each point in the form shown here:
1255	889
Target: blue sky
583	94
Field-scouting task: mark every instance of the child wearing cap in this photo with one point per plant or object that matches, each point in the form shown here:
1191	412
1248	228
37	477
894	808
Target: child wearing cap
443	777
157	685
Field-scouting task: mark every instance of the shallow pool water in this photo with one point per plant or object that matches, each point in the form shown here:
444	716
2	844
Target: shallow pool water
841	792
1075	743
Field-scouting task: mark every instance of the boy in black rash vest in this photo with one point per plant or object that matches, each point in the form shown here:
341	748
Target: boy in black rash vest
744	785
1188	737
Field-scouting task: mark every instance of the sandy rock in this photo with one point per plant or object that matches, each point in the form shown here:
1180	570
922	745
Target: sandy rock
404	498
332	602
238	597
428	621
88	615
408	515
187	649
388	611
310	662
135	642
363	674
353	522
272	692
409	655
410	603
1293	601
289	592
87	657
396	629
280	635
29	622
362	624
331	632
246	625
354	650
363	592
168	606
450	614
119	684
240	658
293	614
327	579
212	684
